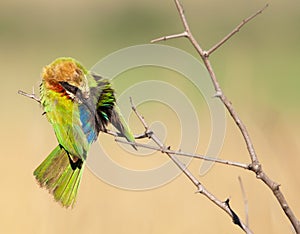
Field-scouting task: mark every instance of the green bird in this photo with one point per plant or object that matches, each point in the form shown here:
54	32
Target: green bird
78	104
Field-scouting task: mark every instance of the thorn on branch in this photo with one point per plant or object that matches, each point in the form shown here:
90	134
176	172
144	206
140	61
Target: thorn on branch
275	186
200	188
218	94
149	133
205	54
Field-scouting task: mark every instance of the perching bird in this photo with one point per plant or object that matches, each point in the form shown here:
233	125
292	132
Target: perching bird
78	104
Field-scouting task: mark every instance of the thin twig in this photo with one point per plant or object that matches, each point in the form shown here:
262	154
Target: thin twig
255	164
182	16
234	31
245	202
173	36
32	96
200	188
181	153
141	118
156	140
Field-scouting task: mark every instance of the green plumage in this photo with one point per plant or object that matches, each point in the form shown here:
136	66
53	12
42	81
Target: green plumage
57	175
79	105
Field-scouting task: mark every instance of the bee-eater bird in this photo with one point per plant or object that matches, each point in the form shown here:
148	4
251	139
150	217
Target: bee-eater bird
78	104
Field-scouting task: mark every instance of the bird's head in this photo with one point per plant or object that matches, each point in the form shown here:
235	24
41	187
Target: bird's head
66	75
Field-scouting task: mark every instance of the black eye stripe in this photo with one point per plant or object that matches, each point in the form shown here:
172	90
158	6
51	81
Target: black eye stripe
78	94
70	88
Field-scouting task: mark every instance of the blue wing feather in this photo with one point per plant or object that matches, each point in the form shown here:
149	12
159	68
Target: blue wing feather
87	119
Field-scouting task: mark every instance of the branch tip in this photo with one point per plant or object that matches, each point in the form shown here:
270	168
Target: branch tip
255	165
32	96
236	30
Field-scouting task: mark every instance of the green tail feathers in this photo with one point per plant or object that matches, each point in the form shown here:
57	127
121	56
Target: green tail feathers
61	177
120	124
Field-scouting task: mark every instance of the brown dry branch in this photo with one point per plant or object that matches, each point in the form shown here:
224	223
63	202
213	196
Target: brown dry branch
234	31
171	154
181	153
200	187
32	96
255	165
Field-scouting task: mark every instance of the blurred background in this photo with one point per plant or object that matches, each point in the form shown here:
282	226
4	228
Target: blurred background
258	70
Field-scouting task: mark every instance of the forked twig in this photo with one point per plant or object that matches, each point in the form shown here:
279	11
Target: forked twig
200	188
186	154
32	96
234	31
255	165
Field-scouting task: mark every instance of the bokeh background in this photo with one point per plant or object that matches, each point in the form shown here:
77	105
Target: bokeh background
258	70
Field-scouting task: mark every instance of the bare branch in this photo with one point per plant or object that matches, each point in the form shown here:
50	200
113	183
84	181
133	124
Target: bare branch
255	164
204	56
184	34
182	16
234	31
141	118
200	188
181	153
32	96
155	139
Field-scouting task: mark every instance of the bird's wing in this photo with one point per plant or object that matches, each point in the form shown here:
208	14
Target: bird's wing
107	109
